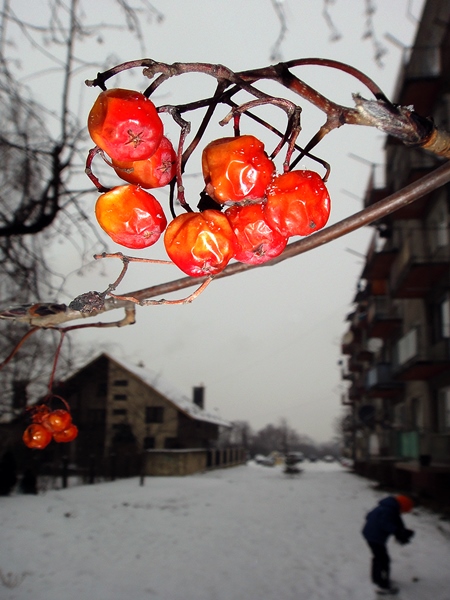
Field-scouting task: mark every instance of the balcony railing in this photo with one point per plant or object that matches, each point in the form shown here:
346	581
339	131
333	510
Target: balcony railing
382	317
378	264
380	382
414	271
416	360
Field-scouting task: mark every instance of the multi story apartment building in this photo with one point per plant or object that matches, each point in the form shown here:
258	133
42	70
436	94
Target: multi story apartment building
397	345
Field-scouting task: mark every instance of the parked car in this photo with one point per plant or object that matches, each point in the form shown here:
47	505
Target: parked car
328	458
267	461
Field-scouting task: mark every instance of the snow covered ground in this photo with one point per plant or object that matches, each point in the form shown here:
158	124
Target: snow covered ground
246	533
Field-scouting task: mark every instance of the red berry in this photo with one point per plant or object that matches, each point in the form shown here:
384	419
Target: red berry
258	242
67	435
36	436
57	420
130	216
236	169
39	412
200	243
125	124
156	171
297	203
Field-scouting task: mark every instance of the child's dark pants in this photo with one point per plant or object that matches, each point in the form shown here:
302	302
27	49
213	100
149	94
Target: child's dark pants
380	565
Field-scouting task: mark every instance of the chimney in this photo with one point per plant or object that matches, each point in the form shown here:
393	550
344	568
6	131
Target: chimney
198	396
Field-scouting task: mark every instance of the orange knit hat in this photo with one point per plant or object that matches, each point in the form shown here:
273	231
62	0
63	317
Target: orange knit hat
405	503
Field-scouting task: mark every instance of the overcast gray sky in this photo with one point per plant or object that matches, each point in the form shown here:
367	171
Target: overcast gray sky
265	343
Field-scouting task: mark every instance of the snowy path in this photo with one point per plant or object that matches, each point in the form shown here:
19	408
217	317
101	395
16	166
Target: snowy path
248	533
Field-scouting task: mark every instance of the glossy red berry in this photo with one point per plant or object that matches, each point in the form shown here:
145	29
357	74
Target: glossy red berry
298	203
200	243
257	241
125	124
130	216
57	420
36	436
236	169
156	171
67	435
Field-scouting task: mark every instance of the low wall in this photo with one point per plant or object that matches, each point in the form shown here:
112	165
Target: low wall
162	463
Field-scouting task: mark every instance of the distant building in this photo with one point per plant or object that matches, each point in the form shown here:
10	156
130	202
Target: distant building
398	341
127	409
130	421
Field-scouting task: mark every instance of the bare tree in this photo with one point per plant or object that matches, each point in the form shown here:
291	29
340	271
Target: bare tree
41	152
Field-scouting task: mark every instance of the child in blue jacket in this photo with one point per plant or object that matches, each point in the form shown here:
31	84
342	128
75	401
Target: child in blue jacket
382	522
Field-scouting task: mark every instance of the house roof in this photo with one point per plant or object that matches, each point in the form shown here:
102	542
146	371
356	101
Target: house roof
163	387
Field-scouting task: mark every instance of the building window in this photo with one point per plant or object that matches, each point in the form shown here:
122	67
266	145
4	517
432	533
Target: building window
407	347
437	223
445	318
154	414
444	410
119	397
120	382
120	411
149	442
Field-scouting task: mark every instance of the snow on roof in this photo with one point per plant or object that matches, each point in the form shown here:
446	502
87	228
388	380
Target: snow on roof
185	404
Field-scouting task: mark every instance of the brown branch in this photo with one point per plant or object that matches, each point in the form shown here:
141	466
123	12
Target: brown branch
403	197
397	121
399	199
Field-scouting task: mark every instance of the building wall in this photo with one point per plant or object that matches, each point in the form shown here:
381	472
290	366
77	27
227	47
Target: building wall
412	420
138	397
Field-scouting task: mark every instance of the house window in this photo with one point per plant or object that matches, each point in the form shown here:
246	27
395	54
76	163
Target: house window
149	442
444	410
120	411
154	414
119	397
120	382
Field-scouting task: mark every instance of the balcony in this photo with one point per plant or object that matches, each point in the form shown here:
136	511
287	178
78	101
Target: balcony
355	393
345	400
351	340
382	318
415	361
358	321
420	79
378	264
418	276
378	261
347	375
354	366
414	273
380	383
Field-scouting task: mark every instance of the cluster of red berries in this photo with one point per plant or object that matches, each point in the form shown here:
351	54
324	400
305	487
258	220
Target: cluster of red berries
261	209
48	425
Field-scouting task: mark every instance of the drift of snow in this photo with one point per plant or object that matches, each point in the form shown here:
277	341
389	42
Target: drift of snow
245	533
